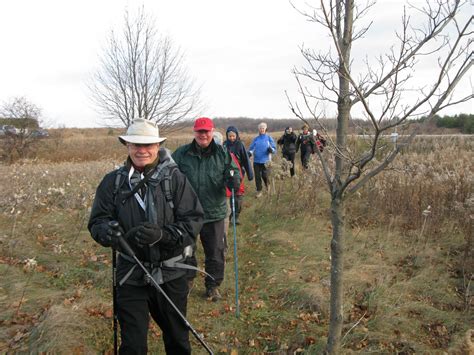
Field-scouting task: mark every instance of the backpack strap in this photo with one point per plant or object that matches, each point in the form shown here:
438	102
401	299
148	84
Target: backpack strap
119	180
166	185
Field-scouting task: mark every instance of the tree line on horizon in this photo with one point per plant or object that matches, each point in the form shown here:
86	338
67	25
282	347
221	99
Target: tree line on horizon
462	122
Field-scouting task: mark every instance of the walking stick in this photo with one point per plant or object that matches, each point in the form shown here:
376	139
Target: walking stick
128	250
114	297
236	259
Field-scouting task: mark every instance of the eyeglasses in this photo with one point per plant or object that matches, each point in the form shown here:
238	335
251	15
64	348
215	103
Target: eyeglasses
202	131
139	145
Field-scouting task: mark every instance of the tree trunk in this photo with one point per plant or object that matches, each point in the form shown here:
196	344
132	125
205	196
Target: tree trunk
337	258
344	33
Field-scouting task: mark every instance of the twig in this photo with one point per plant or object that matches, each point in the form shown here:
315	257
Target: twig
23	294
81	225
355	325
302	259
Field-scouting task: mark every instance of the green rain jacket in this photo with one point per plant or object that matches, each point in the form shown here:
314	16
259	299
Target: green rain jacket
207	170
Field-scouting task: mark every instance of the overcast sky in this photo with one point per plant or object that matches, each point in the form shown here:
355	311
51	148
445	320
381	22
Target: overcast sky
240	52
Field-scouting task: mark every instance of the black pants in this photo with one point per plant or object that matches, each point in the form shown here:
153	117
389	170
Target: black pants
305	156
237	205
291	158
135	304
213	242
261	173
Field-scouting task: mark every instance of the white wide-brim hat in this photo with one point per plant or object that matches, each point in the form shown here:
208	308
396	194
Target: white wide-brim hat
142	131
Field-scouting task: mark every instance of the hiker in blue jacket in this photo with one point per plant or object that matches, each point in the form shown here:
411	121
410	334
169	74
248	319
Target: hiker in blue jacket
261	148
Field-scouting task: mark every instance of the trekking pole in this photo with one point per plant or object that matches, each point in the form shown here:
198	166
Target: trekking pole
114	297
236	260
128	250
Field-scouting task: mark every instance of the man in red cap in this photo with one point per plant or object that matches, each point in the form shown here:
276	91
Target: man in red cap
208	167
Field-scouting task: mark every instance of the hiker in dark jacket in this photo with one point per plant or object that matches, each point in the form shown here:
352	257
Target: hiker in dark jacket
159	223
288	141
306	144
236	147
208	167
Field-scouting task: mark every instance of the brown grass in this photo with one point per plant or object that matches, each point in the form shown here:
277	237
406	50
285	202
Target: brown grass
408	277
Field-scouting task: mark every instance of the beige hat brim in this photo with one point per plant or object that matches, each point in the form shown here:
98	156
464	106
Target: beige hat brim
140	139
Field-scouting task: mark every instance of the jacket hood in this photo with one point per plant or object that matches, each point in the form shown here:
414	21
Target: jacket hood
165	155
165	161
232	129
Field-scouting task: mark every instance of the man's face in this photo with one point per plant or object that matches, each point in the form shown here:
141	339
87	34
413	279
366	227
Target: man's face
231	136
143	154
203	137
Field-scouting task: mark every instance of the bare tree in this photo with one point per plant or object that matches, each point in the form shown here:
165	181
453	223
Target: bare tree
142	75
24	116
385	90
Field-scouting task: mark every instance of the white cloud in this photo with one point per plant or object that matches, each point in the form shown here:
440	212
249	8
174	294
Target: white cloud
241	52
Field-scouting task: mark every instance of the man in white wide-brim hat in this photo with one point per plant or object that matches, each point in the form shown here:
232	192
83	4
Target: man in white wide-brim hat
160	215
143	142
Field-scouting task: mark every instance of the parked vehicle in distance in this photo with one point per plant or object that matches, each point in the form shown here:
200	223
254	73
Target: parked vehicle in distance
7	129
40	133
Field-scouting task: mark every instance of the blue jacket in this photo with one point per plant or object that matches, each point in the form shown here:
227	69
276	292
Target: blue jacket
259	148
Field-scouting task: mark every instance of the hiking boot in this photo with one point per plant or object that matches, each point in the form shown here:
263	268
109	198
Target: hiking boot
259	194
213	294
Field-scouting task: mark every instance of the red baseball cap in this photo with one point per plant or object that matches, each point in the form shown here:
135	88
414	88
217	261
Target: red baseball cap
203	124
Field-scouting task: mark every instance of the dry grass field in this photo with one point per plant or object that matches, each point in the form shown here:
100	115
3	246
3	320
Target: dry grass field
408	271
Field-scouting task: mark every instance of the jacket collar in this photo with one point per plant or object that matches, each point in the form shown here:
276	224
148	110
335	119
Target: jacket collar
196	150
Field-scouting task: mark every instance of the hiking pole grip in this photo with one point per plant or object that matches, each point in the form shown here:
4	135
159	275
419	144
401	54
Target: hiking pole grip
123	244
128	250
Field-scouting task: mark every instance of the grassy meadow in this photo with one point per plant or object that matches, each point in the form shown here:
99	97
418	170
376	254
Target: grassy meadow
408	270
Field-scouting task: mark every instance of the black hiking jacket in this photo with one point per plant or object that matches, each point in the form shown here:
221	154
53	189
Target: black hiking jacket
306	143
288	141
238	149
184	220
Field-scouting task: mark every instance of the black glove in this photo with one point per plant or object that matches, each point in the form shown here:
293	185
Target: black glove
269	150
150	234
132	233
110	237
233	182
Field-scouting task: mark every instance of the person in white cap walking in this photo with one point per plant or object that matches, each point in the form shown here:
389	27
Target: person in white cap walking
159	214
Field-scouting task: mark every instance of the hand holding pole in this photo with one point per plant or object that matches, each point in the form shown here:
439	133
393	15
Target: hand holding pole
129	251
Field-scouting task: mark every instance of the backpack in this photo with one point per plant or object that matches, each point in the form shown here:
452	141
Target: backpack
165	182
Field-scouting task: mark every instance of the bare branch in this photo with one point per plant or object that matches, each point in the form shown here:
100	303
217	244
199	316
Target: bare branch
142	75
